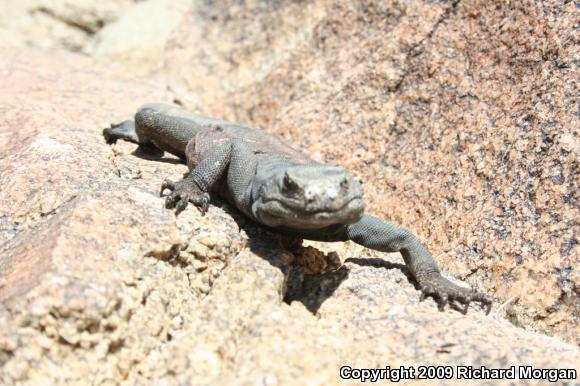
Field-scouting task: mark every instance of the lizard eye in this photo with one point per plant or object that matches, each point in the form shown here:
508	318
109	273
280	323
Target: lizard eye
289	185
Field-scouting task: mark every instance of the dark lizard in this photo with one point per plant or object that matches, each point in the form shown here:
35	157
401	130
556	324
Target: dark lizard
279	188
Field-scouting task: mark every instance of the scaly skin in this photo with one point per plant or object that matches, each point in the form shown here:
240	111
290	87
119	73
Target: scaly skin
278	187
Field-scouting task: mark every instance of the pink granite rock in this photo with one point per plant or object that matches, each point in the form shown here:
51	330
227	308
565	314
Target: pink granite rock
461	118
100	284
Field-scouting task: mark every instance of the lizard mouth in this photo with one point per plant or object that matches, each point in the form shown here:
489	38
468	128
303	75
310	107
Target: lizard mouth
275	212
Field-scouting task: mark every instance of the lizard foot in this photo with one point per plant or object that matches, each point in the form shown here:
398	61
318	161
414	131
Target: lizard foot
124	130
182	193
444	292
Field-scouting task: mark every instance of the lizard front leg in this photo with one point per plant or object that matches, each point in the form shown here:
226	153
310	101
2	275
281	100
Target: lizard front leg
197	184
375	233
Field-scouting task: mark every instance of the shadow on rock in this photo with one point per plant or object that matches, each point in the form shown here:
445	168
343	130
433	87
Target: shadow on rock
152	153
313	290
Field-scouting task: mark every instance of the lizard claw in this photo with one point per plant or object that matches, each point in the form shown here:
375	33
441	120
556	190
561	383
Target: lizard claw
182	193
167	184
445	292
110	138
180	206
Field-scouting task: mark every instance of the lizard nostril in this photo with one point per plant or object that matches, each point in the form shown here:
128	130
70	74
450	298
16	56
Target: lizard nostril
310	195
332	193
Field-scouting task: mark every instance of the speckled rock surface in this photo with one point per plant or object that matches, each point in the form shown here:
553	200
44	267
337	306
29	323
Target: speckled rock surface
137	38
460	117
131	33
99	284
57	24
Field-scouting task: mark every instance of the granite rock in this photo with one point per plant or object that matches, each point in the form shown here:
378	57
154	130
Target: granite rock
460	117
57	24
130	33
100	284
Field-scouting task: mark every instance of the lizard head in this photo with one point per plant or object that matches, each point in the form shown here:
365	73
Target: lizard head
308	197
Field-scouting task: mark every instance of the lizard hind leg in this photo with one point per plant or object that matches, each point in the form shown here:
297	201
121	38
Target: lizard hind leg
124	130
127	132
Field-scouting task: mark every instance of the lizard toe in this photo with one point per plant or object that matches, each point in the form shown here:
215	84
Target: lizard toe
465	308
442	300
483	300
457	305
166	184
109	136
171	200
201	200
181	205
426	291
204	204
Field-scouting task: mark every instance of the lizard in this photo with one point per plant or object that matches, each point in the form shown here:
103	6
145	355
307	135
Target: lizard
279	188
